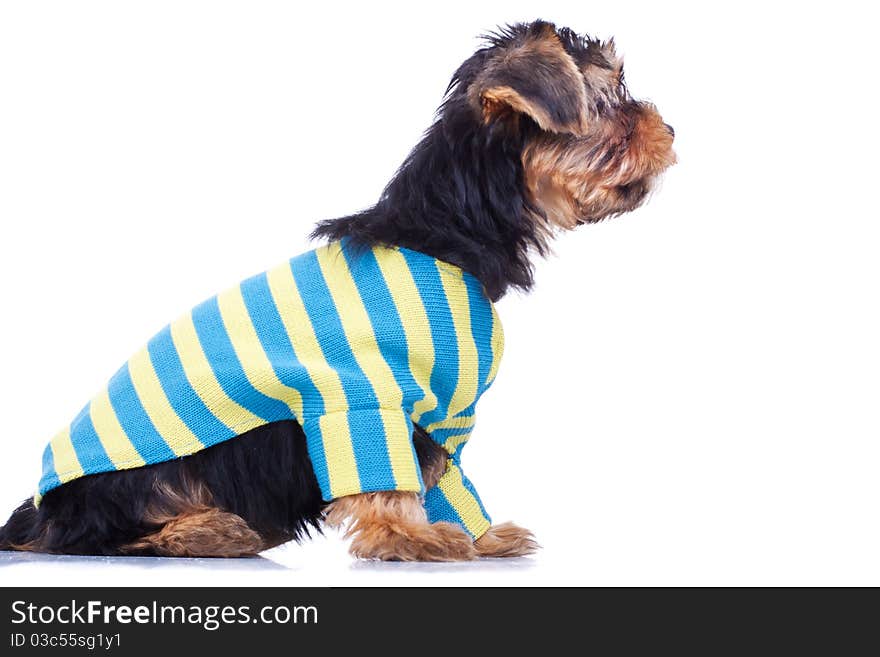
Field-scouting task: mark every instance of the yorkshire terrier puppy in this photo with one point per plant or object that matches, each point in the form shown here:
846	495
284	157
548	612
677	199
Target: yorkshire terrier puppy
341	386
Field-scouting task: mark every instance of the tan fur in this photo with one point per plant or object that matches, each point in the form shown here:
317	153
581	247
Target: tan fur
496	100
650	146
393	526
204	532
170	502
506	540
30	546
580	180
189	526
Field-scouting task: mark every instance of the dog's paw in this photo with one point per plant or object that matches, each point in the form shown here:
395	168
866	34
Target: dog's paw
440	541
506	540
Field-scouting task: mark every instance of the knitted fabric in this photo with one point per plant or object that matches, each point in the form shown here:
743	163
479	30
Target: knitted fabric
356	345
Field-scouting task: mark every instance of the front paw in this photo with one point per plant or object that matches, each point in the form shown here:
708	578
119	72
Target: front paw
506	540
441	541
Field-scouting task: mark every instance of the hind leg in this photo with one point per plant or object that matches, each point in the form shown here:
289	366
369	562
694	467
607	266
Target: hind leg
200	532
184	521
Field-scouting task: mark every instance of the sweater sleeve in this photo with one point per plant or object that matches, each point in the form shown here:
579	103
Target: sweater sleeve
362	451
454	499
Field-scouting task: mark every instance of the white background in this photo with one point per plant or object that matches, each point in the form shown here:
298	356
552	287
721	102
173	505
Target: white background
688	397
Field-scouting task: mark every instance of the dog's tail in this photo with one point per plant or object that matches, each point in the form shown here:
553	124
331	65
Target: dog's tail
22	531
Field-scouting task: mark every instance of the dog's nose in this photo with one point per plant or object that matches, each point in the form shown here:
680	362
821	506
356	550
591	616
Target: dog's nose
670	128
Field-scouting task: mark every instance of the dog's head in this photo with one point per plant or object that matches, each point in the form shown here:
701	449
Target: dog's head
589	150
537	132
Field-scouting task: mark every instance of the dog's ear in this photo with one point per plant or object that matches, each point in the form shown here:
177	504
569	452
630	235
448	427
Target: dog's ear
528	71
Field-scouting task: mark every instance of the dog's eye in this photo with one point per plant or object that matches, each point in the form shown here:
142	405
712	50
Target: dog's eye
632	191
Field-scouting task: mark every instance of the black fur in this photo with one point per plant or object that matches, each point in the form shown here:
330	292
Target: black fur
264	476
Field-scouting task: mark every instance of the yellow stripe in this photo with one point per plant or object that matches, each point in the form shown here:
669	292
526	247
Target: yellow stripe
400	451
335	433
461	499
302	336
180	439
468	366
359	332
341	466
67	465
452	423
416	326
357	327
453	442
254	361
497	345
203	380
111	434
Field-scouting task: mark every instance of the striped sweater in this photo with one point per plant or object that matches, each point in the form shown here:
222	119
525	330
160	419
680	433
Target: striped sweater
355	345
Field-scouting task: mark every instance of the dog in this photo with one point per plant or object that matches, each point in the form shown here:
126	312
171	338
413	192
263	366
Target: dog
340	388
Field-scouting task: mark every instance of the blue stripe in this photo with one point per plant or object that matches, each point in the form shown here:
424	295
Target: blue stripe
481	329
134	419
312	428
50	479
228	370
470	488
87	445
385	320
183	399
371	451
444	376
328	329
276	343
439	509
